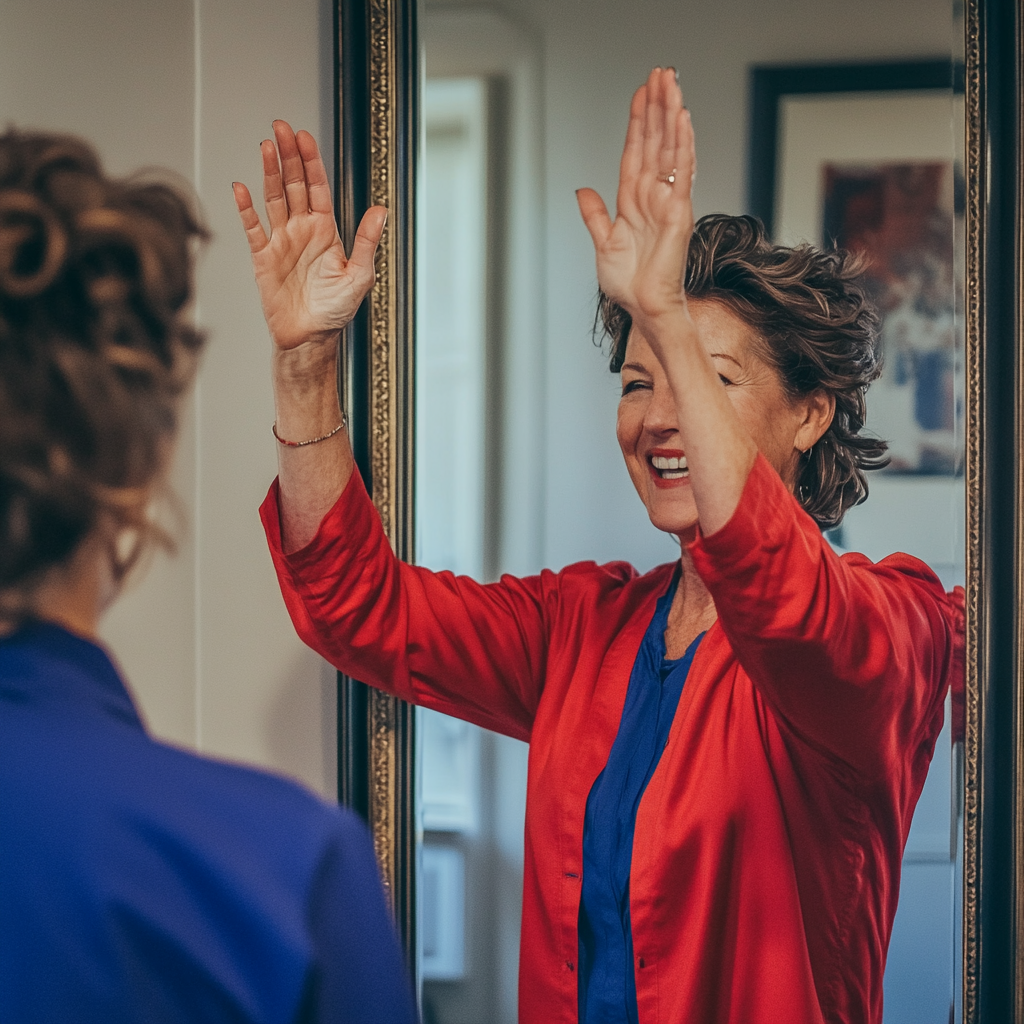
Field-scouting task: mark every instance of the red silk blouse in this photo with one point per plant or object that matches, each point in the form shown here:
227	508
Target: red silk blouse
766	858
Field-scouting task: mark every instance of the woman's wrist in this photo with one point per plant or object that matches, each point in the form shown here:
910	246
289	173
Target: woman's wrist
305	383
305	365
667	328
665	311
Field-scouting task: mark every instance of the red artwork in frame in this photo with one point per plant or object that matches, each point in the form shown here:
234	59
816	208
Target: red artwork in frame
900	218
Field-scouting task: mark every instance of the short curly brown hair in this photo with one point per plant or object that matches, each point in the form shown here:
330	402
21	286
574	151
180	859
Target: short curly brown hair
96	275
820	333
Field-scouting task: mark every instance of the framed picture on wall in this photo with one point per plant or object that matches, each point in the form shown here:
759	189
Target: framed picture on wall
822	171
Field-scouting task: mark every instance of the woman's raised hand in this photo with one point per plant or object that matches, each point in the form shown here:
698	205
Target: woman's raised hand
641	255
309	289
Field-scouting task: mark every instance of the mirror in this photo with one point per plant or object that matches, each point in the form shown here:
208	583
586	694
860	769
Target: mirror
522	104
517	468
518	108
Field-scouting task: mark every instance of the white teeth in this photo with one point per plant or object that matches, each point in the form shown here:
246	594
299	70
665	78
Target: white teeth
663	463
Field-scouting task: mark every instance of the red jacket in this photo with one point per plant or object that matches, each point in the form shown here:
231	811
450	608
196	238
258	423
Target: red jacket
767	851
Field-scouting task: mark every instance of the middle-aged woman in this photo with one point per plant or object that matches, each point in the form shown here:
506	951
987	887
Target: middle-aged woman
727	850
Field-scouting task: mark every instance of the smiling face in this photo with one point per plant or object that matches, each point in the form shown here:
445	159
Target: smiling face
647	426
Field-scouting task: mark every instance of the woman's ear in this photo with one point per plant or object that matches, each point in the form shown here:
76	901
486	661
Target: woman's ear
818	409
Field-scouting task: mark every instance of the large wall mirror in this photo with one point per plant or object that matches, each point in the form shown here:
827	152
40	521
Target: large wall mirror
484	414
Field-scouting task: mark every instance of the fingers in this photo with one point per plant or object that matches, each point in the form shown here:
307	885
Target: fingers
668	159
317	186
294	176
632	153
686	151
292	171
273	189
250	218
654	126
595	216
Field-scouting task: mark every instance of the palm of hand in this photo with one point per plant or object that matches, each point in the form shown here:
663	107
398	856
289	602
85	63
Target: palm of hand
306	283
641	262
309	289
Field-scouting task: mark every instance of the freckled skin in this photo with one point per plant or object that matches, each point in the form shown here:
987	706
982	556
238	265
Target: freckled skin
647	417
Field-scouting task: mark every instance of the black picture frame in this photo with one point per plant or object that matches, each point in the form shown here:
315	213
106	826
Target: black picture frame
770	83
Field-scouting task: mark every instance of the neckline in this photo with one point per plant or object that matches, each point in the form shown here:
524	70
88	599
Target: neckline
687	655
44	661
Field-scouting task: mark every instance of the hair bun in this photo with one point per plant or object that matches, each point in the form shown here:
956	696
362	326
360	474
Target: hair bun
33	244
96	348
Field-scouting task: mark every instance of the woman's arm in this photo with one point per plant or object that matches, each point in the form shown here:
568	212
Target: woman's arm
641	262
310	291
854	656
357	971
472	651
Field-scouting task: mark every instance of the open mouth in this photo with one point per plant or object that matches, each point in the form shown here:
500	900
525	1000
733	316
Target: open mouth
669	467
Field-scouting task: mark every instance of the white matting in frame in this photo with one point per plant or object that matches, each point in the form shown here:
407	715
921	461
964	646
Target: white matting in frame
868	128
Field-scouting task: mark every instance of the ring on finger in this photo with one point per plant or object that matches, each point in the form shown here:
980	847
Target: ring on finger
668	179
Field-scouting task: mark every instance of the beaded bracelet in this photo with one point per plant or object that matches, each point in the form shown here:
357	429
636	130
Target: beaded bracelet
312	440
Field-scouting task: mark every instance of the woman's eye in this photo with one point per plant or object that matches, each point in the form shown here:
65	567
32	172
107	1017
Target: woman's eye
725	380
634	385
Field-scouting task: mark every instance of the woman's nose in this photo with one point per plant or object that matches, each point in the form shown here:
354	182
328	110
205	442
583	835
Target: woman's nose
661	417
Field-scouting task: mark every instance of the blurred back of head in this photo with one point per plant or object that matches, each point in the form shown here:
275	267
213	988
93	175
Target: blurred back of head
96	350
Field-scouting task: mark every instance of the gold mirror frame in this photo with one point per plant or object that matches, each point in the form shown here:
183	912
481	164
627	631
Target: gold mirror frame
377	133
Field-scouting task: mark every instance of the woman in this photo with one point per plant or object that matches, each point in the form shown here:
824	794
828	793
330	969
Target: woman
138	882
727	850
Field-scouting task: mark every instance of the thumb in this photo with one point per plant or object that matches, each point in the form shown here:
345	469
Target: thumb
371	227
595	215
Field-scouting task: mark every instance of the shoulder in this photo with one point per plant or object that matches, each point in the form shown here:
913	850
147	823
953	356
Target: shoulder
281	816
899	569
590	582
609	593
156	848
165	807
607	577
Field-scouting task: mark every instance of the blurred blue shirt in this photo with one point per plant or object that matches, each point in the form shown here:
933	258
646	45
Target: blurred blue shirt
139	882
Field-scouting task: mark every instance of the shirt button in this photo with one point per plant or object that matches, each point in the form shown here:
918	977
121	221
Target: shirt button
642	964
570	965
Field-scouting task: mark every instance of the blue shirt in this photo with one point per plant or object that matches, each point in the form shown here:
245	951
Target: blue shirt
606	979
139	882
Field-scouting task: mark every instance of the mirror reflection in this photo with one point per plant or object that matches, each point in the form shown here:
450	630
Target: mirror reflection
517	468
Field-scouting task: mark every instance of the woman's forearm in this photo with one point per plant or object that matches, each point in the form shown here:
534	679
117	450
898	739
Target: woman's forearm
309	290
311	476
719	450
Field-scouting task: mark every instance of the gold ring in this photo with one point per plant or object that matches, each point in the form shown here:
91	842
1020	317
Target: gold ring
670	178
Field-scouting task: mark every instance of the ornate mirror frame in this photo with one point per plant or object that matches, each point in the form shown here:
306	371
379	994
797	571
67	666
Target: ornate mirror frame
376	122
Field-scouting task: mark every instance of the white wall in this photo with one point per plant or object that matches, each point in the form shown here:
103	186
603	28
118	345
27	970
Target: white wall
193	85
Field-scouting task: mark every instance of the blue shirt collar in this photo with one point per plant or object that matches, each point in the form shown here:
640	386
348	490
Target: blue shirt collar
42	662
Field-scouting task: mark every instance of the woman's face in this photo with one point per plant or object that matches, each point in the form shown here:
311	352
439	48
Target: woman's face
648	430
